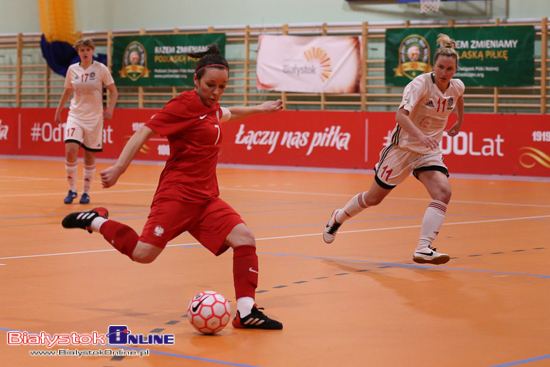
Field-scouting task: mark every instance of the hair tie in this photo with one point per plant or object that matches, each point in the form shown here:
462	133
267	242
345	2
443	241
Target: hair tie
207	66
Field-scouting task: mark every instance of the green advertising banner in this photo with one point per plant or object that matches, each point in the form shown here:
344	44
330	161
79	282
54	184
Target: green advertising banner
159	60
488	56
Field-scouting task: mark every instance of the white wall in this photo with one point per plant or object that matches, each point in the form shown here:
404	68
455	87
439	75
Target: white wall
22	16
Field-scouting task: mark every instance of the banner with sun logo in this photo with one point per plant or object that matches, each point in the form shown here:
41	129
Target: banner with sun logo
329	64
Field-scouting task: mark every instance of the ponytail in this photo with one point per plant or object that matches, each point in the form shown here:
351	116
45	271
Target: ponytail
210	58
446	48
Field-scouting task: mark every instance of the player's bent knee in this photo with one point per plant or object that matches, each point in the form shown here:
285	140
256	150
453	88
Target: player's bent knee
241	235
144	259
373	202
145	253
444	195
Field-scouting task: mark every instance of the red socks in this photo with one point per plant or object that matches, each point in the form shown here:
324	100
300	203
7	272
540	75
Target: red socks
245	271
120	236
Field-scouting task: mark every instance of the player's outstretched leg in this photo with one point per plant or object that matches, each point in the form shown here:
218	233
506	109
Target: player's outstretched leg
84	219
256	320
329	233
429	255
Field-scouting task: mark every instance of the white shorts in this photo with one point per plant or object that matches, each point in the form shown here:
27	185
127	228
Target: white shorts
88	134
397	164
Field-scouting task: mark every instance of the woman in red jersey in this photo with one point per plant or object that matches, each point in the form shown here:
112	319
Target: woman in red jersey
187	195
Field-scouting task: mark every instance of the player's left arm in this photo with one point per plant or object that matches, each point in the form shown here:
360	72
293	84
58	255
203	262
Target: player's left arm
241	112
113	93
460	112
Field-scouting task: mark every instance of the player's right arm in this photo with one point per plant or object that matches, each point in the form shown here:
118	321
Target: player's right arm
413	94
64	99
110	176
403	119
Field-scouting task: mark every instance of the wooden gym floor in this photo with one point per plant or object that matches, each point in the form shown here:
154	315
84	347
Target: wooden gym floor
358	302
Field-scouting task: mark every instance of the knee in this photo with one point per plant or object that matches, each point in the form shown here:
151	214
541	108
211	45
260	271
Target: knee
241	235
246	238
444	195
89	159
448	195
372	201
145	255
374	197
143	259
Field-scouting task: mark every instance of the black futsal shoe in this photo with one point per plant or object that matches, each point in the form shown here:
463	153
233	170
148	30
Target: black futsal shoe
84	219
256	320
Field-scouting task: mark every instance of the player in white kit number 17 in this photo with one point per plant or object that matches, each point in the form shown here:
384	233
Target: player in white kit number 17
85	81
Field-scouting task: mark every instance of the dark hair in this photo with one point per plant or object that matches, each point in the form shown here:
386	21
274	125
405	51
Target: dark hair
209	57
446	48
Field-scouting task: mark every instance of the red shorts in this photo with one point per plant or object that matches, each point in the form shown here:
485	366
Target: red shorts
210	222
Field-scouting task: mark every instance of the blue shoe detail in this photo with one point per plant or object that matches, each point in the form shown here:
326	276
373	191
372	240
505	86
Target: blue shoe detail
70	197
84	199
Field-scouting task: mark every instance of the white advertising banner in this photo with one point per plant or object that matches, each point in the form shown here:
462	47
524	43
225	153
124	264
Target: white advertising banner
328	64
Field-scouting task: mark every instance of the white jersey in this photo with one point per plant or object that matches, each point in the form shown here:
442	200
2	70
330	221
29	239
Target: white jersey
87	84
429	110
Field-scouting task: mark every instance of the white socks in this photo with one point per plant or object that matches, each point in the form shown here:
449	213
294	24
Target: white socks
244	304
72	172
355	206
432	222
89	172
97	223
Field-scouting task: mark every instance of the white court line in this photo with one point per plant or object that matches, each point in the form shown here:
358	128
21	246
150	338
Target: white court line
92	192
82	252
387	197
22	179
286	193
291	236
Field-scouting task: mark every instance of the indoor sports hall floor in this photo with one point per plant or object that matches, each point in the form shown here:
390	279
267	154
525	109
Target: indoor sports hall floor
358	302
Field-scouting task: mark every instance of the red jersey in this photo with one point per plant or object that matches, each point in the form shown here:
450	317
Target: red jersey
194	133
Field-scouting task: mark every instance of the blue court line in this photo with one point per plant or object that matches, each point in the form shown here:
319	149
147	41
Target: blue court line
523	361
412	266
158	352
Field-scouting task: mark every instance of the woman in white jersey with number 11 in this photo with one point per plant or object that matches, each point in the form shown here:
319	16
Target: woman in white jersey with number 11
427	102
85	122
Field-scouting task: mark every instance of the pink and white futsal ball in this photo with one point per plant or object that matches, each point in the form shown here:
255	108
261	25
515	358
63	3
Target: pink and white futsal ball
209	312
